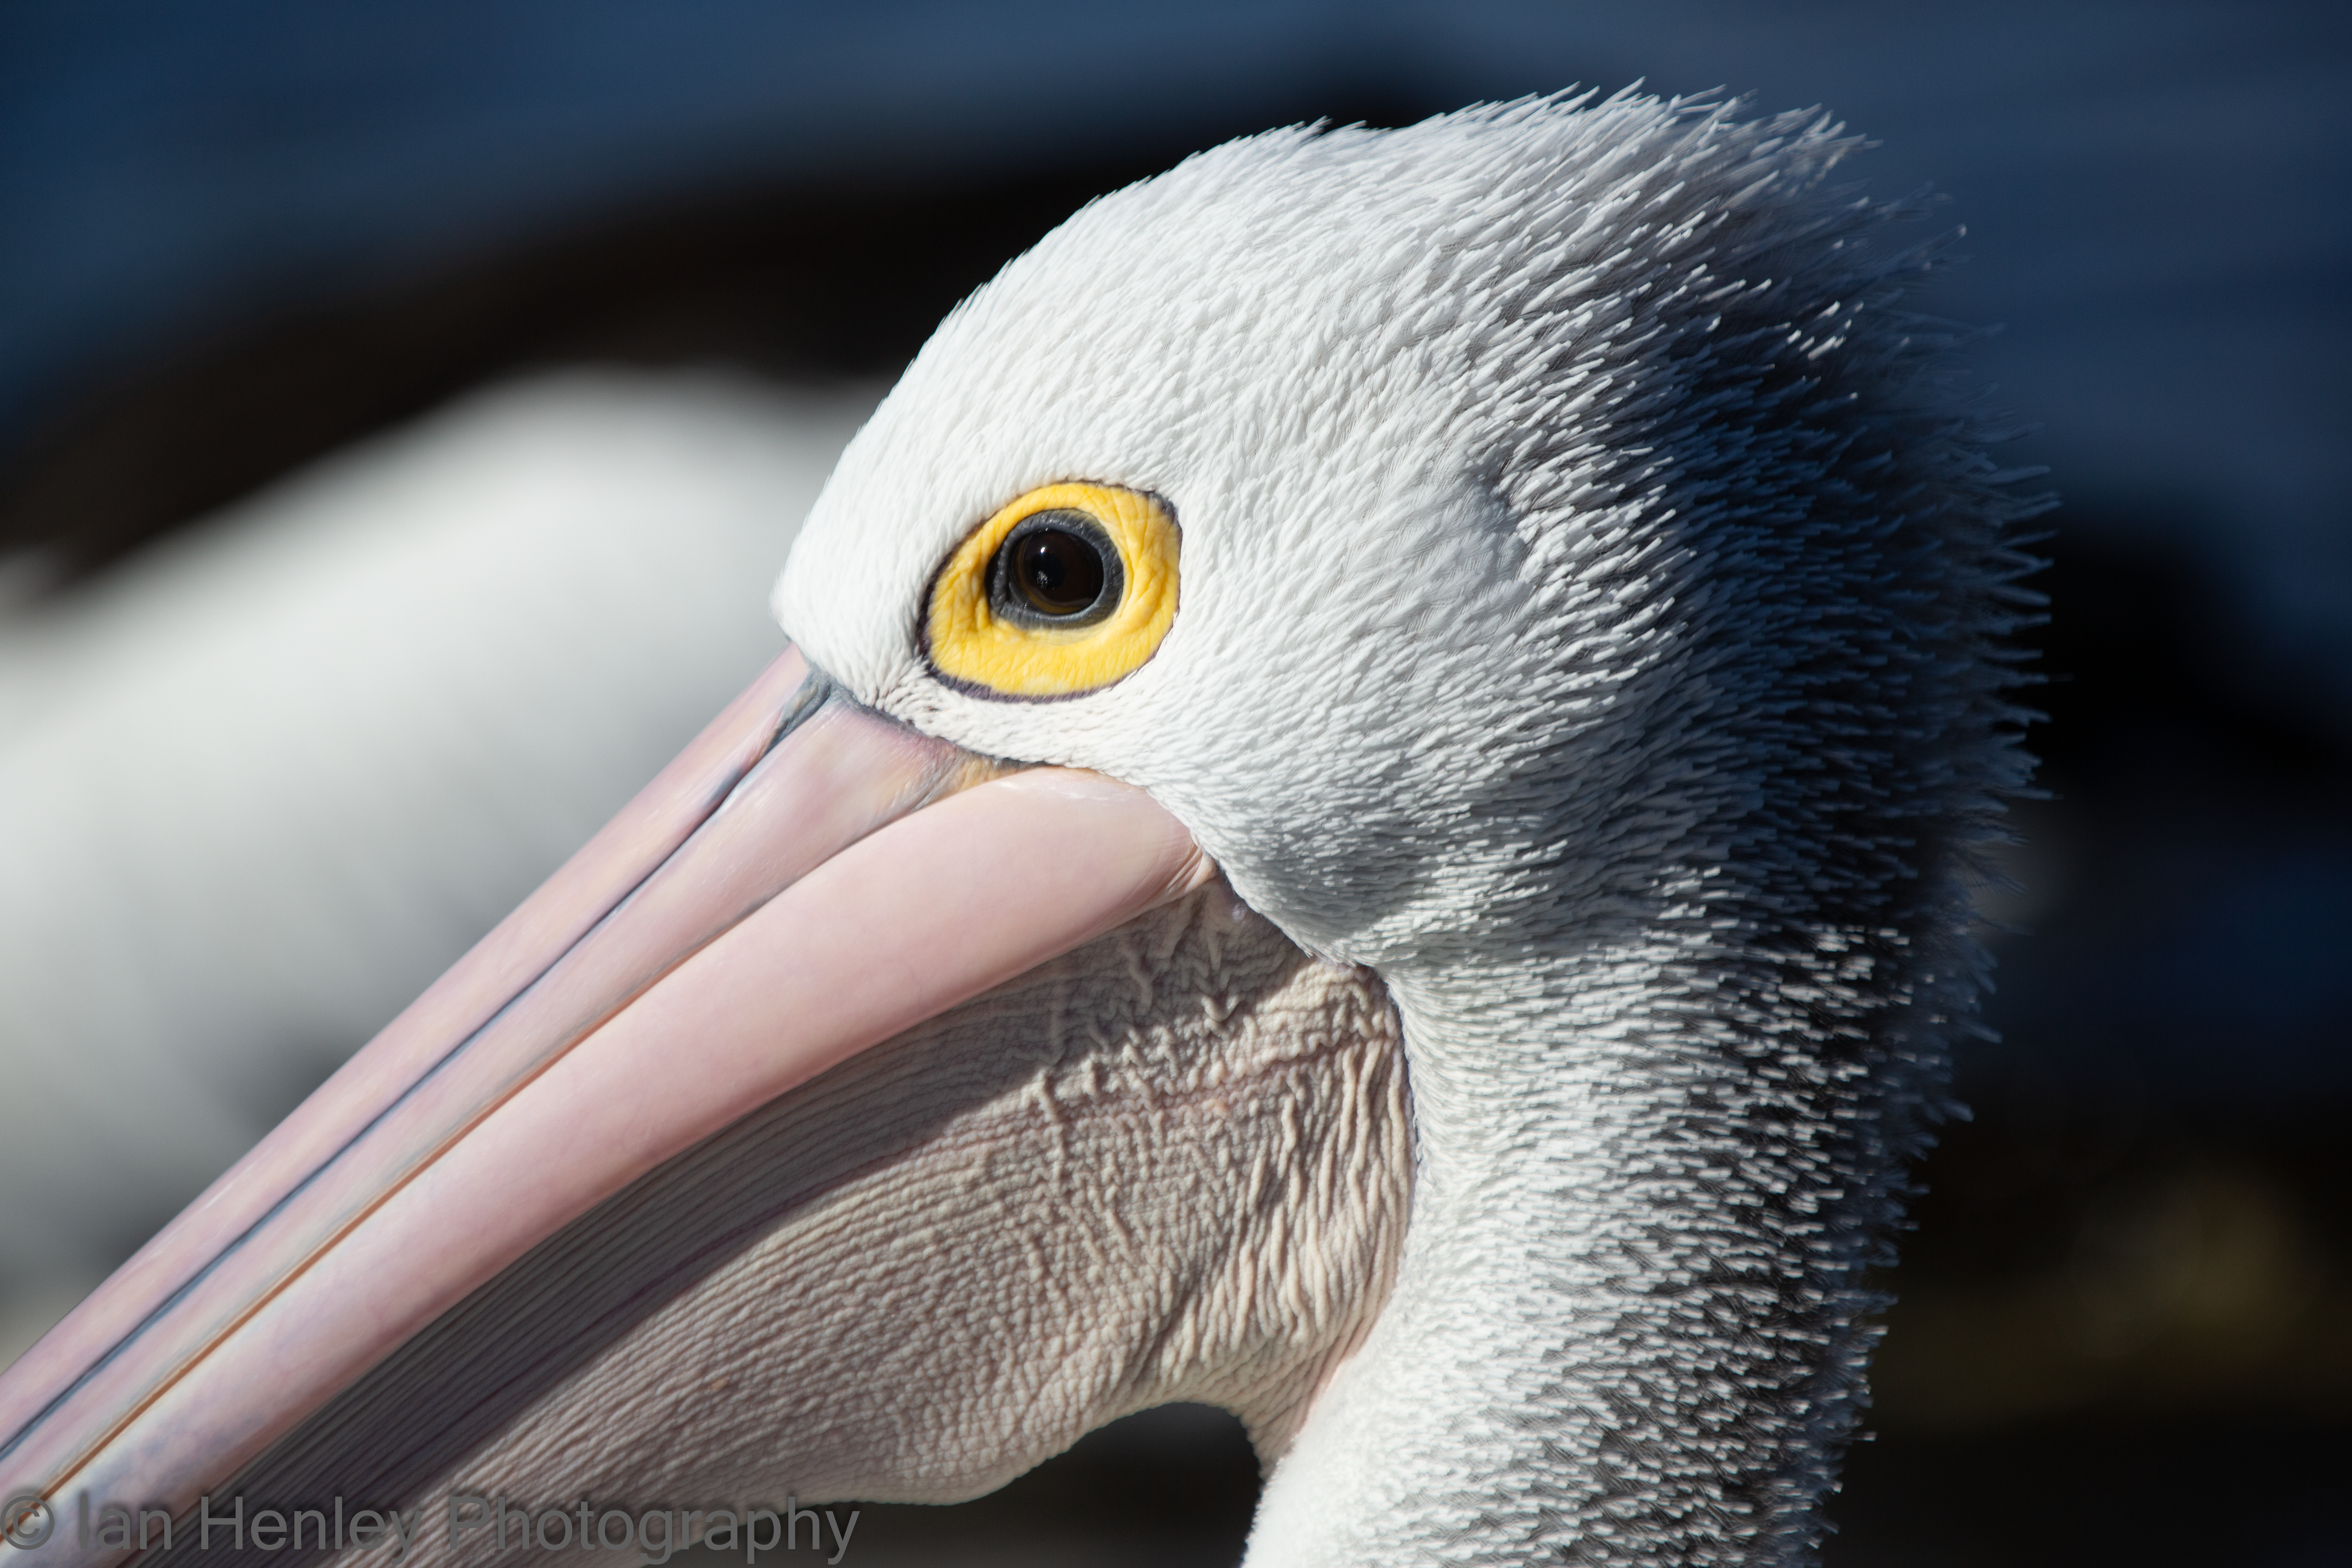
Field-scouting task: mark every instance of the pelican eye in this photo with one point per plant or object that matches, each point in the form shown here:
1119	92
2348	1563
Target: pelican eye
1065	591
1057	567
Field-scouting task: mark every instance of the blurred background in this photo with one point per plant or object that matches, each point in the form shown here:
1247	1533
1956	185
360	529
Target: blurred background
403	407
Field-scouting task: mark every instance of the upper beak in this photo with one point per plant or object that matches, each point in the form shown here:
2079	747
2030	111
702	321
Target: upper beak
805	881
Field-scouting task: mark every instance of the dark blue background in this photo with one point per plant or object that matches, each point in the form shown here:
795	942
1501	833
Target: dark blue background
2154	192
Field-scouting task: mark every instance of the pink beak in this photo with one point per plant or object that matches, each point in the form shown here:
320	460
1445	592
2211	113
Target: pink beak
805	881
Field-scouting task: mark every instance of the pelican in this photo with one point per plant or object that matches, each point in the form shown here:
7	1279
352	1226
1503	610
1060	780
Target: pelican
1370	821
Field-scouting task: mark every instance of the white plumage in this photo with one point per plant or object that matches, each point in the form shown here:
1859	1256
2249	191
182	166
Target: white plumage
1588	595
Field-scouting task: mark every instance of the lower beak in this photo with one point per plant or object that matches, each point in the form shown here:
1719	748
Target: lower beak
805	881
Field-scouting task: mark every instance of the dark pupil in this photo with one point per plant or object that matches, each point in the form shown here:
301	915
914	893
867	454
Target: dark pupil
1059	574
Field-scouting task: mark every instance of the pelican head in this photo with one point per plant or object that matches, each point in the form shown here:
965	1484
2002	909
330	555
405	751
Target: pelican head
1369	824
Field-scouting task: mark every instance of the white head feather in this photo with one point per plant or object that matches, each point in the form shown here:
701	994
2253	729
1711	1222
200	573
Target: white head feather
1589	601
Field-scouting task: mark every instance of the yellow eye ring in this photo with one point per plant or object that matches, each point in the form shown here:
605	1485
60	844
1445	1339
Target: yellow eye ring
1066	591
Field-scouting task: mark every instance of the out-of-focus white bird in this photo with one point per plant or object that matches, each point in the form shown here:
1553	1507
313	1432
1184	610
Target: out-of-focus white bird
1511	604
261	785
